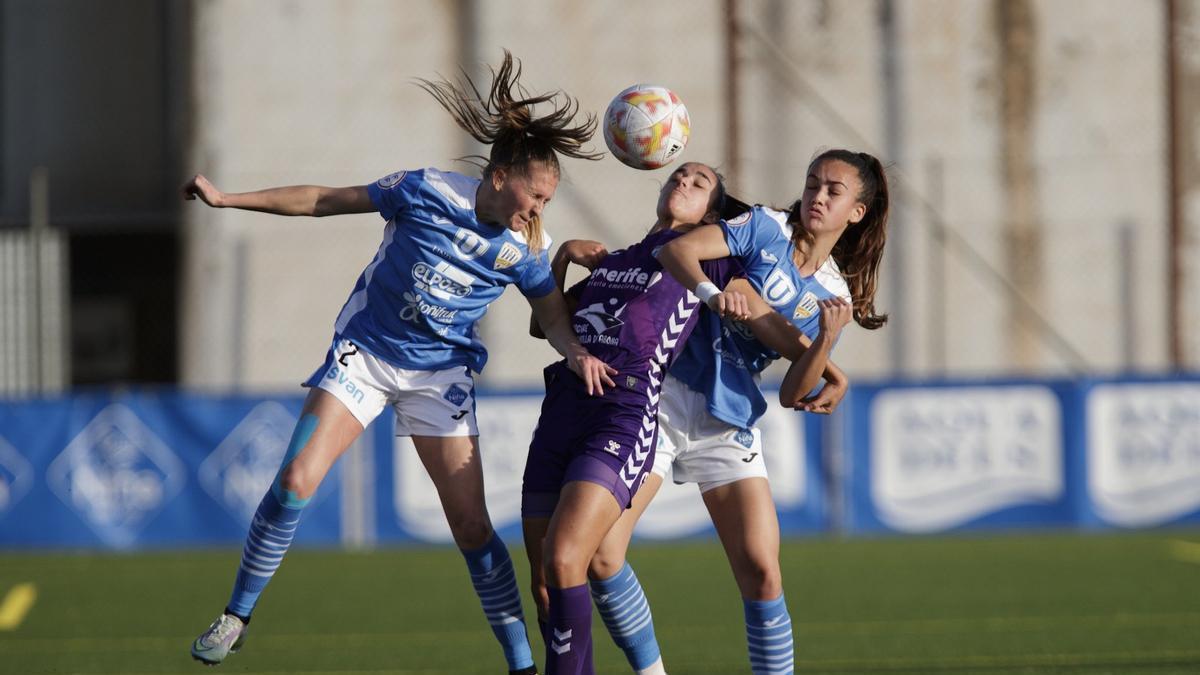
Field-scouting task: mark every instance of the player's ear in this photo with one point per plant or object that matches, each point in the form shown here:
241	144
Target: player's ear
499	175
857	214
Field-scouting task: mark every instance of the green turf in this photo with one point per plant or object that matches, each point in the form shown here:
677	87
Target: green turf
1124	603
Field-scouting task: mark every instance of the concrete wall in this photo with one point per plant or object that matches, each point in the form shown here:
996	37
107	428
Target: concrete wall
1063	196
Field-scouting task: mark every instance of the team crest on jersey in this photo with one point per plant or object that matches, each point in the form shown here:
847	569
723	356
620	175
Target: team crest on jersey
806	307
630	382
468	245
508	256
455	394
778	290
391	180
740	220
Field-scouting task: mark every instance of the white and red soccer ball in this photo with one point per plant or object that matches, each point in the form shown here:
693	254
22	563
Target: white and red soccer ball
646	126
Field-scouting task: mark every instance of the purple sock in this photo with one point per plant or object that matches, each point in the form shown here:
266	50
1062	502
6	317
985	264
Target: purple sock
569	650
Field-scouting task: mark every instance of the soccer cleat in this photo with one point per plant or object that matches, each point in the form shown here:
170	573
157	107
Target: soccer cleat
531	670
225	635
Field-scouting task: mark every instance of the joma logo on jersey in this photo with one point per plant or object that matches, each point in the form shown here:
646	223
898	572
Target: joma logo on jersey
444	281
508	256
806	307
468	245
778	289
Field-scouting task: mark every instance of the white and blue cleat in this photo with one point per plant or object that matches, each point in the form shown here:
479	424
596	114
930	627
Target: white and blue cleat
222	638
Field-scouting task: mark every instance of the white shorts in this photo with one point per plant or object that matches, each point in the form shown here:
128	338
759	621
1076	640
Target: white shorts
426	402
700	448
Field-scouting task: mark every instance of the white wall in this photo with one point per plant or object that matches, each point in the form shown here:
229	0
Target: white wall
321	92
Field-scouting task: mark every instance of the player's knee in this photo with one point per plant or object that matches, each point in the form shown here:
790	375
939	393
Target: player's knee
470	531
298	480
760	580
565	563
605	565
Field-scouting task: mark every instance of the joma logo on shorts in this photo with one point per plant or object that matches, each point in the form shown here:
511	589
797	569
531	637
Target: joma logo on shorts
338	375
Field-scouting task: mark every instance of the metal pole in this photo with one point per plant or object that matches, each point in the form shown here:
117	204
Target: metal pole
732	87
1175	244
893	109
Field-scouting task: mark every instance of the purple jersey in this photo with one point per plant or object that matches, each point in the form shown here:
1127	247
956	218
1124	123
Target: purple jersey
634	317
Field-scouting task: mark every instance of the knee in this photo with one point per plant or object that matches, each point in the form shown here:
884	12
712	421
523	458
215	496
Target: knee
605	565
297	479
760	579
470	531
564	565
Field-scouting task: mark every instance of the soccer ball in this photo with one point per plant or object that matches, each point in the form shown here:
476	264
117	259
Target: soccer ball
646	126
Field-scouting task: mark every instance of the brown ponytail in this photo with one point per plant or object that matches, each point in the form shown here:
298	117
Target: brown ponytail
505	121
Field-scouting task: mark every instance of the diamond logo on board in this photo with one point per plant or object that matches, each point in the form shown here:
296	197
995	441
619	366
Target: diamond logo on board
16	476
238	472
116	475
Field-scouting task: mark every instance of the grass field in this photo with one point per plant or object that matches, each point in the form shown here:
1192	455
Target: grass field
1124	603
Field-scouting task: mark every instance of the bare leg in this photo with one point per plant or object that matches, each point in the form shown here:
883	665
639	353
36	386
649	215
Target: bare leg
584	515
618	594
744	515
454	465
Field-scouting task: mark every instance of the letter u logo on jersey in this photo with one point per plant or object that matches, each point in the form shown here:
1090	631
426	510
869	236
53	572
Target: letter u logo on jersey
778	289
468	245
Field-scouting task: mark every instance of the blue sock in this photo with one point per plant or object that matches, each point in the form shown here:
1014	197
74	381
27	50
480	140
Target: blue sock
492	576
626	614
270	535
271	530
769	636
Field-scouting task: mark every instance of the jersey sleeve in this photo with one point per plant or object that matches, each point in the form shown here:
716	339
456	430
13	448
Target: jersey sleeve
536	280
748	233
393	193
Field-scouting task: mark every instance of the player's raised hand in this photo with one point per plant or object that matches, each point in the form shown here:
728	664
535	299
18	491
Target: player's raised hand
835	314
199	186
594	372
584	252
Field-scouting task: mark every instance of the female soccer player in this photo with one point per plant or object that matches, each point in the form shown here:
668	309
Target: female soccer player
807	264
589	456
707	432
406	336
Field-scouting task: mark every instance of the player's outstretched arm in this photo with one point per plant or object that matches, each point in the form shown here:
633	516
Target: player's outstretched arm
293	200
579	251
550	312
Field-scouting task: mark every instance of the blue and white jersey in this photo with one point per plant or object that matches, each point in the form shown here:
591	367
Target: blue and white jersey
723	360
416	304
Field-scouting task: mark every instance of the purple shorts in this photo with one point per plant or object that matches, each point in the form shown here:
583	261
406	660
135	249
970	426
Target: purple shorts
607	440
